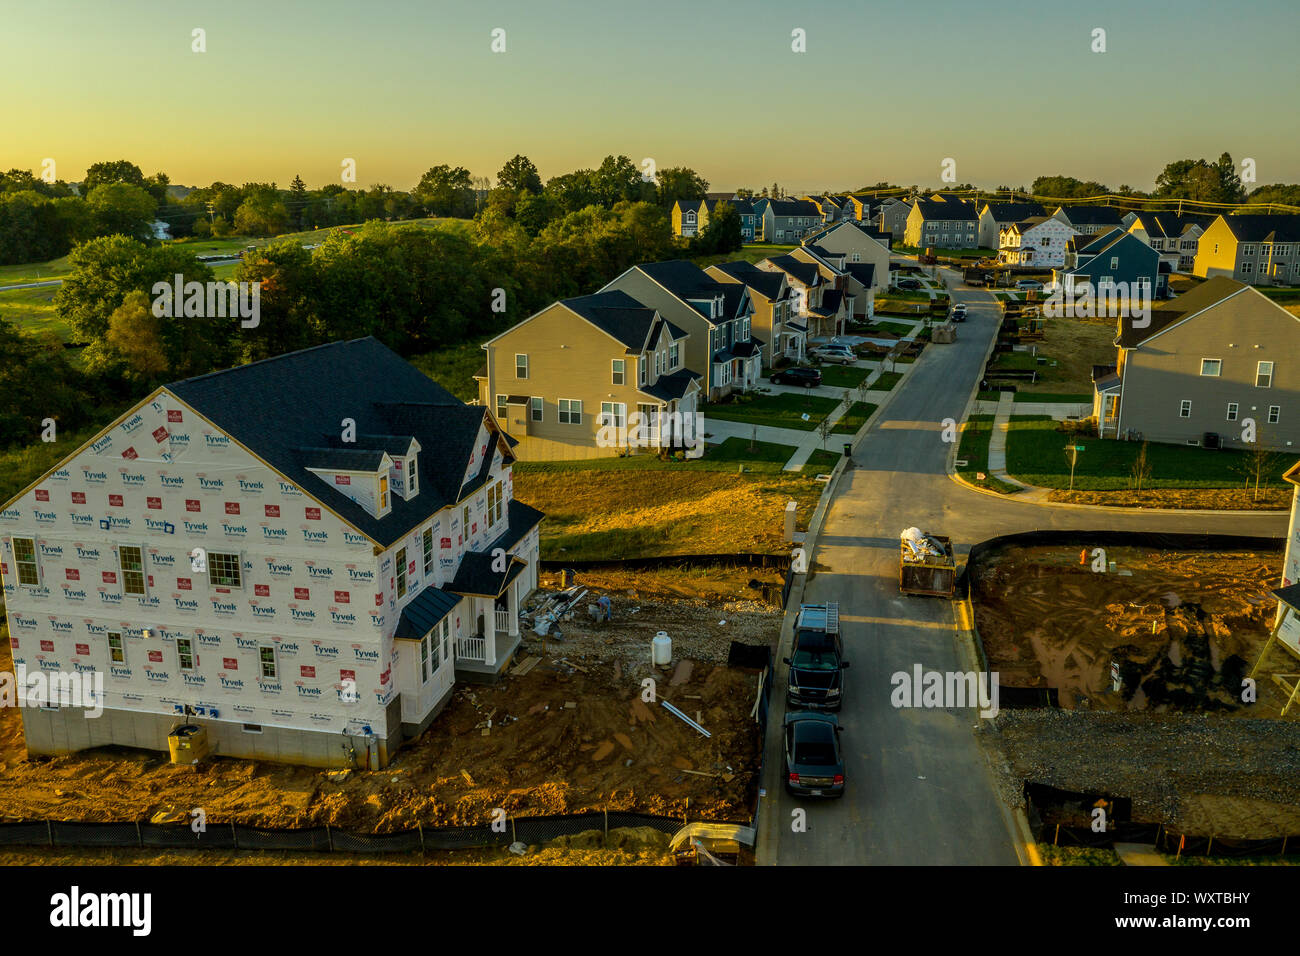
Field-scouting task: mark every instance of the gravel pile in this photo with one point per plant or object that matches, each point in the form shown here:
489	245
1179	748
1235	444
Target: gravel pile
1161	761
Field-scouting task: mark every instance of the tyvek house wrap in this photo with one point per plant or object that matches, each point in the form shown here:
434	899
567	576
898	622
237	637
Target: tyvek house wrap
169	482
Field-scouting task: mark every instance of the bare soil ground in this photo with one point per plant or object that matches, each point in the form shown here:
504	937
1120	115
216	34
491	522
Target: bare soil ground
1207	499
570	736
1185	627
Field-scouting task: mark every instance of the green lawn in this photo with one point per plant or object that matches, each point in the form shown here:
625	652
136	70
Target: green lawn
767	457
886	382
1070	397
898	328
1014	361
820	462
750	252
988	396
1035	454
974	450
854	418
34	271
32	310
843	376
779	411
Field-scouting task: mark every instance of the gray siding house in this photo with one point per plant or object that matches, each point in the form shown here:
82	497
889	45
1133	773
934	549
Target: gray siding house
1211	366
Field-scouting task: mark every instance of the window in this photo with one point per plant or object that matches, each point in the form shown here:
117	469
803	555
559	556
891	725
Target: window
570	411
116	649
1232	411
1264	375
266	661
617	369
1185	408
494	496
131	563
1247	268
184	653
535	406
674	354
412	485
446	642
613	414
401	573
1211	366
25	557
521	366
252	728
383	492
428	550
1114	262
464	521
424	659
1246	250
501	407
224	570
501	496
641	364
1274	413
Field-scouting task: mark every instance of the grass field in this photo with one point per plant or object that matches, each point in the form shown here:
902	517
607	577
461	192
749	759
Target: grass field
34	271
854	418
820	462
886	382
974	450
32	310
843	376
641	506
778	411
1070	397
1035	454
1076	345
898	328
750	252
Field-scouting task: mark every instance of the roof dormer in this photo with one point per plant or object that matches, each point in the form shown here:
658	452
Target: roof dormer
359	474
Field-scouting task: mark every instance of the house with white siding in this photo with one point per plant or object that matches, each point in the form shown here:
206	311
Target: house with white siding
301	556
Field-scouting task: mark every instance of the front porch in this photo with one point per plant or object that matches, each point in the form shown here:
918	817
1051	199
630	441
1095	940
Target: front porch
489	634
482	660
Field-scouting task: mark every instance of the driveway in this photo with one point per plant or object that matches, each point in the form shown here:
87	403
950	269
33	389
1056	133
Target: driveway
919	791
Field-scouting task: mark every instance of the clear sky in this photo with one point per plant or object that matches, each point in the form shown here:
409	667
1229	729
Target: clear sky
886	90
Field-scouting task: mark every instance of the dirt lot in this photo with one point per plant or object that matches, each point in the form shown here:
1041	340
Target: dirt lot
1184	626
635	512
1210	499
571	735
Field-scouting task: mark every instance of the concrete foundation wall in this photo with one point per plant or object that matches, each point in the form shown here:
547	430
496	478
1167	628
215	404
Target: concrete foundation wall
67	730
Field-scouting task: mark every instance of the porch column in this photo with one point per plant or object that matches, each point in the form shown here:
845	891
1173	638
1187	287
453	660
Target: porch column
512	605
489	630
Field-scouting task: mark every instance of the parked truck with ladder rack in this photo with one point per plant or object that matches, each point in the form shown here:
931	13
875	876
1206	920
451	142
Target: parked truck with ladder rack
815	680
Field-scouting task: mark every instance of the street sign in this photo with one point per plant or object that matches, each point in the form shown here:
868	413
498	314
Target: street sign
1078	448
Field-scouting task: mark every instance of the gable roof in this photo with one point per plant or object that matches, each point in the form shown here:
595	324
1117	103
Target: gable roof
616	314
1170	225
766	284
793	207
1264	228
1209	293
805	272
285	408
946	209
864	272
1091	215
1013	211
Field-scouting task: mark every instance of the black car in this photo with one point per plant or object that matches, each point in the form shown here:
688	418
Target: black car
798	375
813	764
911	284
816	664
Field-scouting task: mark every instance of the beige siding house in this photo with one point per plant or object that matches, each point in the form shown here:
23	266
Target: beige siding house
1211	367
1261	250
556	378
774	324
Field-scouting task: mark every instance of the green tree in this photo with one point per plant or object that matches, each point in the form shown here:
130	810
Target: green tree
262	214
118	171
573	191
519	173
722	234
680	182
36	382
1066	187
446	191
619	179
1276	193
298	201
122	209
134	338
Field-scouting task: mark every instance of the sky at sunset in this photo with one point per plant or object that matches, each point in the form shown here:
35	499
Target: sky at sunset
886	90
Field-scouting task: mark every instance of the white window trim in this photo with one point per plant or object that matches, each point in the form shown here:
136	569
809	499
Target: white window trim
194	658
518	356
121	646
1259	371
1218	367
1233	409
35	563
1274	414
536	408
275	661
1185	408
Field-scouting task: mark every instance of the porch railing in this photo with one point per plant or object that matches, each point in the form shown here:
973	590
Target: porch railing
471	649
503	619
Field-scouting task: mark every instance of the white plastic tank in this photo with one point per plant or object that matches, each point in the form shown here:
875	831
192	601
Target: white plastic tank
661	649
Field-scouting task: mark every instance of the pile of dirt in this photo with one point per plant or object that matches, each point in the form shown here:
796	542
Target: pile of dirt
1211	499
1183	628
570	736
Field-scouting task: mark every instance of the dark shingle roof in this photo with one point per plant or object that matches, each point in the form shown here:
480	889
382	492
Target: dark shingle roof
1166	314
616	313
831	300
805	272
1170	225
793	207
946	210
1264	228
767	284
672	386
476	578
1014	211
423	613
864	272
341	459
1092	215
281	404
684	279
